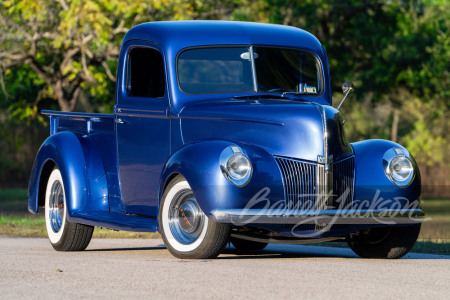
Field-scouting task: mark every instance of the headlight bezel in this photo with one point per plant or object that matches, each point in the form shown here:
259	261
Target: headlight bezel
389	158
229	153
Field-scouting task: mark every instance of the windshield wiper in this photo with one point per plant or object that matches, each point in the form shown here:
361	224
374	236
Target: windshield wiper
297	93
283	95
259	96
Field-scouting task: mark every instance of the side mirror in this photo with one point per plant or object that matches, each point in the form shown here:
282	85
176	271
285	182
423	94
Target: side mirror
347	88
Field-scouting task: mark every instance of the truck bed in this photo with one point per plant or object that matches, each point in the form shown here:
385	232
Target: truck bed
99	128
79	122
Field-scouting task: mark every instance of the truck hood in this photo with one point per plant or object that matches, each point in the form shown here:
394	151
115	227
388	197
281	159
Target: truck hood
287	128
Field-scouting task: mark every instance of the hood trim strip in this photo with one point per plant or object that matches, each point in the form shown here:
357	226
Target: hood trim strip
270	122
325	133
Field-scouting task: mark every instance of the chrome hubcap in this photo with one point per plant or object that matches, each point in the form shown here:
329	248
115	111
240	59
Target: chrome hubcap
56	206
186	219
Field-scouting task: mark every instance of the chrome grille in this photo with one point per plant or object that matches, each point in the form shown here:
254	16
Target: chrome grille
301	185
343	183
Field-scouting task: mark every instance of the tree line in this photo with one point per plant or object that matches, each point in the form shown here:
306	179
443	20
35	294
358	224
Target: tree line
63	55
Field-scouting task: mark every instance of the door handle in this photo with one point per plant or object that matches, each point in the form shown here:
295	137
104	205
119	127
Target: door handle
121	121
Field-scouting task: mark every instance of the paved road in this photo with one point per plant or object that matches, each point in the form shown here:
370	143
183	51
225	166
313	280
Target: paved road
130	268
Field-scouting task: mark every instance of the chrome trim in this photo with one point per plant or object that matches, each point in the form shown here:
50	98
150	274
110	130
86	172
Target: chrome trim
252	59
345	96
186	219
236	149
281	239
321	183
56	206
325	171
328	216
243	119
226	154
304	183
388	156
143	113
324	199
347	87
325	133
398	151
299	182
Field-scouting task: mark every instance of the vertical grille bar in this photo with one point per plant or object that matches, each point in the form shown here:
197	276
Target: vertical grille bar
286	182
313	186
319	181
302	190
291	185
306	187
297	186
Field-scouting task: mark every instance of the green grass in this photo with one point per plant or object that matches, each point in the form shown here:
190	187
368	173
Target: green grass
16	220
34	226
13	201
439	226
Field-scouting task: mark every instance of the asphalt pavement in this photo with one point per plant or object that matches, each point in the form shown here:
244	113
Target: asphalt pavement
144	269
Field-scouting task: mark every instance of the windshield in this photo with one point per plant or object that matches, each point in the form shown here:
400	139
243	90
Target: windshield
230	69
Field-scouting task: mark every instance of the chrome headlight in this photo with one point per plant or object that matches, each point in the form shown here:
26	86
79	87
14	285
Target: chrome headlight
398	167
235	166
401	168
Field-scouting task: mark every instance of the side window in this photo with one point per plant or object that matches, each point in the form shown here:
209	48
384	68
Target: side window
145	73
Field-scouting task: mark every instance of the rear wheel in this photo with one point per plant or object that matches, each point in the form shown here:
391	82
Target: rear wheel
185	229
63	235
247	245
384	242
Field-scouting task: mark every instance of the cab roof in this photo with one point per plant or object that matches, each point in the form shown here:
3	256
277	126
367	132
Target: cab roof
177	35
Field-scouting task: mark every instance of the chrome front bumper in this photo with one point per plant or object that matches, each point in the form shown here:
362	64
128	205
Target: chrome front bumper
330	216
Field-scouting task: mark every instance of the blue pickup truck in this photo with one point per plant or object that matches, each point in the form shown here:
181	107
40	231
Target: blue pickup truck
224	132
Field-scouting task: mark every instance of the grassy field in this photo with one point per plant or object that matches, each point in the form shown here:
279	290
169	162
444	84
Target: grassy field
16	220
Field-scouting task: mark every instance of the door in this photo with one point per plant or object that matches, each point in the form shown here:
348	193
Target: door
142	129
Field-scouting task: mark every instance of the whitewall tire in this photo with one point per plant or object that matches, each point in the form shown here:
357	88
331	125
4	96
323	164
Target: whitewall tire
63	235
186	230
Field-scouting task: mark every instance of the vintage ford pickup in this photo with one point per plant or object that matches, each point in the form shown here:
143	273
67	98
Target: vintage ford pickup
224	132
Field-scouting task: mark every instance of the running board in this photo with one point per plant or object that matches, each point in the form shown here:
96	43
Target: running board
281	240
117	221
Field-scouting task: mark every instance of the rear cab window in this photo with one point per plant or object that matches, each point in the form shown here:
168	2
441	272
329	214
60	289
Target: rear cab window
145	73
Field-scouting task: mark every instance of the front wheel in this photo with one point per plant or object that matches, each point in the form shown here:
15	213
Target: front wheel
384	242
187	232
63	235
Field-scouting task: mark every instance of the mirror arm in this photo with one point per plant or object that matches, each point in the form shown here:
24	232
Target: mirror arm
345	96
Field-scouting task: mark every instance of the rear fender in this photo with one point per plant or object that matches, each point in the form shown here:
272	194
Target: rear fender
82	171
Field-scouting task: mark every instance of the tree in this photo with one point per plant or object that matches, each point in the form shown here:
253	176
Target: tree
70	44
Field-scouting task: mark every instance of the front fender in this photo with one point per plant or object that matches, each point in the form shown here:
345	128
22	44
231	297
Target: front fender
82	171
199	164
372	187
